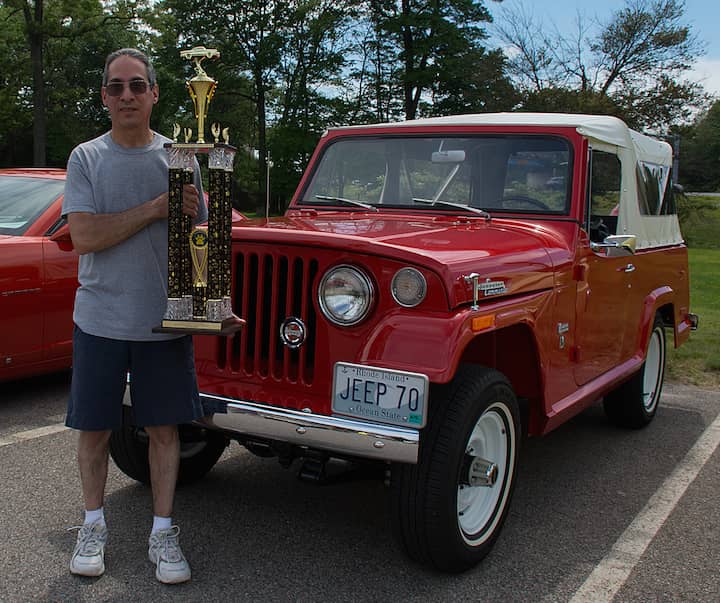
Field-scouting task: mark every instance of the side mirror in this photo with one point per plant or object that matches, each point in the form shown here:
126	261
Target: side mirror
616	245
62	234
62	237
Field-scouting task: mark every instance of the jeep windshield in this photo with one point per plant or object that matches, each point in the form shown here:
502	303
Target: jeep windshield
483	173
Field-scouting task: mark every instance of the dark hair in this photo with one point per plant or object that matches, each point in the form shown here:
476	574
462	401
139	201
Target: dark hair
135	54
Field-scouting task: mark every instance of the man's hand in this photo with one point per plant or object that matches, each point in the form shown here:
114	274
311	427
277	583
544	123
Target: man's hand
191	200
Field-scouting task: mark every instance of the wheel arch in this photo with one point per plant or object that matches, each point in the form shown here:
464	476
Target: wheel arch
513	351
660	302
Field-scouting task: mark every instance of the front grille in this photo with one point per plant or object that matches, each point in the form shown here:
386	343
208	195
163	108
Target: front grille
270	286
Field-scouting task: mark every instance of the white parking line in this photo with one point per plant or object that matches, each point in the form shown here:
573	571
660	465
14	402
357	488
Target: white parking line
31	434
613	571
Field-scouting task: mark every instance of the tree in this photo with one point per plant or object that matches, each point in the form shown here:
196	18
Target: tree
630	65
474	80
52	28
414	52
311	64
700	152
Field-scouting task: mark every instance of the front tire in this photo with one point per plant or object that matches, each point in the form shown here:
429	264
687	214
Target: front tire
635	402
200	449
448	510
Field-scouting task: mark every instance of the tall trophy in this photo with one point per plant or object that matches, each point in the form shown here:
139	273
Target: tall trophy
199	259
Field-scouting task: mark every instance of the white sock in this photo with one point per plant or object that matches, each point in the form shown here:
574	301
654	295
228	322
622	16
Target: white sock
94	515
161	523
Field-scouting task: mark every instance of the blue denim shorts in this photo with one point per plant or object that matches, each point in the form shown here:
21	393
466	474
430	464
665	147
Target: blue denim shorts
163	385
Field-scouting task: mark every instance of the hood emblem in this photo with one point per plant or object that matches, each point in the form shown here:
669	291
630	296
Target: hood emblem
293	332
488	287
492	287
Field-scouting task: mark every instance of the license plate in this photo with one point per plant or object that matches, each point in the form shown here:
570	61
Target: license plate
378	394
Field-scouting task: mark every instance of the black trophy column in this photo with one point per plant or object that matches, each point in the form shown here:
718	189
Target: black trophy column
179	227
215	219
227	232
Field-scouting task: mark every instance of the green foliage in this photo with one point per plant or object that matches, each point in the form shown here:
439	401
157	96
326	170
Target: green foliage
700	152
699	220
75	38
427	57
698	360
474	81
559	99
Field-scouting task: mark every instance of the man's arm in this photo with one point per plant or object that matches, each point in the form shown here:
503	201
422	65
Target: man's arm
95	232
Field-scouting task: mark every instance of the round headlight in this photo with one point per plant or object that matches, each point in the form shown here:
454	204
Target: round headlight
345	295
408	287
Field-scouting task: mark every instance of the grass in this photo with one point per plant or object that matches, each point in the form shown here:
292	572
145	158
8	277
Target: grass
698	361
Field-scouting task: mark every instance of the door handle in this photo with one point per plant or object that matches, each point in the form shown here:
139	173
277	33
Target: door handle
629	268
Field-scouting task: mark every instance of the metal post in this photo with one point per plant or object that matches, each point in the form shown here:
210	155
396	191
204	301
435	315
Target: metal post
267	187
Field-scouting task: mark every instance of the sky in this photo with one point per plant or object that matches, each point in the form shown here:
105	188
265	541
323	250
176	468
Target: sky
703	16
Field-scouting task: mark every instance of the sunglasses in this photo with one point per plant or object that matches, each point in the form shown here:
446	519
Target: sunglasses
117	88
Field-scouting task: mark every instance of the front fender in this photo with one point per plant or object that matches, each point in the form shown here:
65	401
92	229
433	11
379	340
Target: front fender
434	343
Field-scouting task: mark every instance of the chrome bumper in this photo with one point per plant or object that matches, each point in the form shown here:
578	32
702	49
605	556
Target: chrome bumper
334	434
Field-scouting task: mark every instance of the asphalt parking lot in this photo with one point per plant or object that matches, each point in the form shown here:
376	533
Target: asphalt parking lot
599	514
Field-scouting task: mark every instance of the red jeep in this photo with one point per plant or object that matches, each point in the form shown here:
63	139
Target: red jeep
437	290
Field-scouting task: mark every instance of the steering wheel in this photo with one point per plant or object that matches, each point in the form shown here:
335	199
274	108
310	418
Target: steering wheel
525	199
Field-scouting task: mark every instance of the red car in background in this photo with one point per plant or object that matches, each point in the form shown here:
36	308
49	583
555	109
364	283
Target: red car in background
38	274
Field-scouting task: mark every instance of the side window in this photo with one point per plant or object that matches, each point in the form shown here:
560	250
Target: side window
605	186
655	194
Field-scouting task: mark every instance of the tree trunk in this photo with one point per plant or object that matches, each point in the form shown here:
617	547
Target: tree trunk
39	124
35	38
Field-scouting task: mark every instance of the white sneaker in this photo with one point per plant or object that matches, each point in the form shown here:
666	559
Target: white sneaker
164	551
88	558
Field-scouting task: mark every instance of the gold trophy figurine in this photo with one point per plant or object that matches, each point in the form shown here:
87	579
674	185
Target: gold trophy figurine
201	87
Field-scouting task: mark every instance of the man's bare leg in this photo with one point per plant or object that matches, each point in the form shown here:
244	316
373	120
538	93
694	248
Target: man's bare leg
164	457
163	547
92	456
88	558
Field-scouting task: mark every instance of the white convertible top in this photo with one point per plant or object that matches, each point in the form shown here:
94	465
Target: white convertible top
604	133
602	128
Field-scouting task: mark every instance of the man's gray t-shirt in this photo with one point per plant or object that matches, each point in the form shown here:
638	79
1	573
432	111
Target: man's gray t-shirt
123	289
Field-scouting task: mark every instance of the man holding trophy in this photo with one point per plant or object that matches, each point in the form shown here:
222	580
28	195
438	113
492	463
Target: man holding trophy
117	206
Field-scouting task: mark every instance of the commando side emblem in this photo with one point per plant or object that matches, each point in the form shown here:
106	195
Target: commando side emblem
488	287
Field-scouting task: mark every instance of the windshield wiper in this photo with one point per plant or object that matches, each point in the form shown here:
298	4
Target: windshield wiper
342	200
474	210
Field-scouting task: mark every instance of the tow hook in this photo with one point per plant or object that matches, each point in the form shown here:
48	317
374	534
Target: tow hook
478	471
313	469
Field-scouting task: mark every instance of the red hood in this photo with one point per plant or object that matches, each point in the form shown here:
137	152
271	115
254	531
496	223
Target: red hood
516	253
